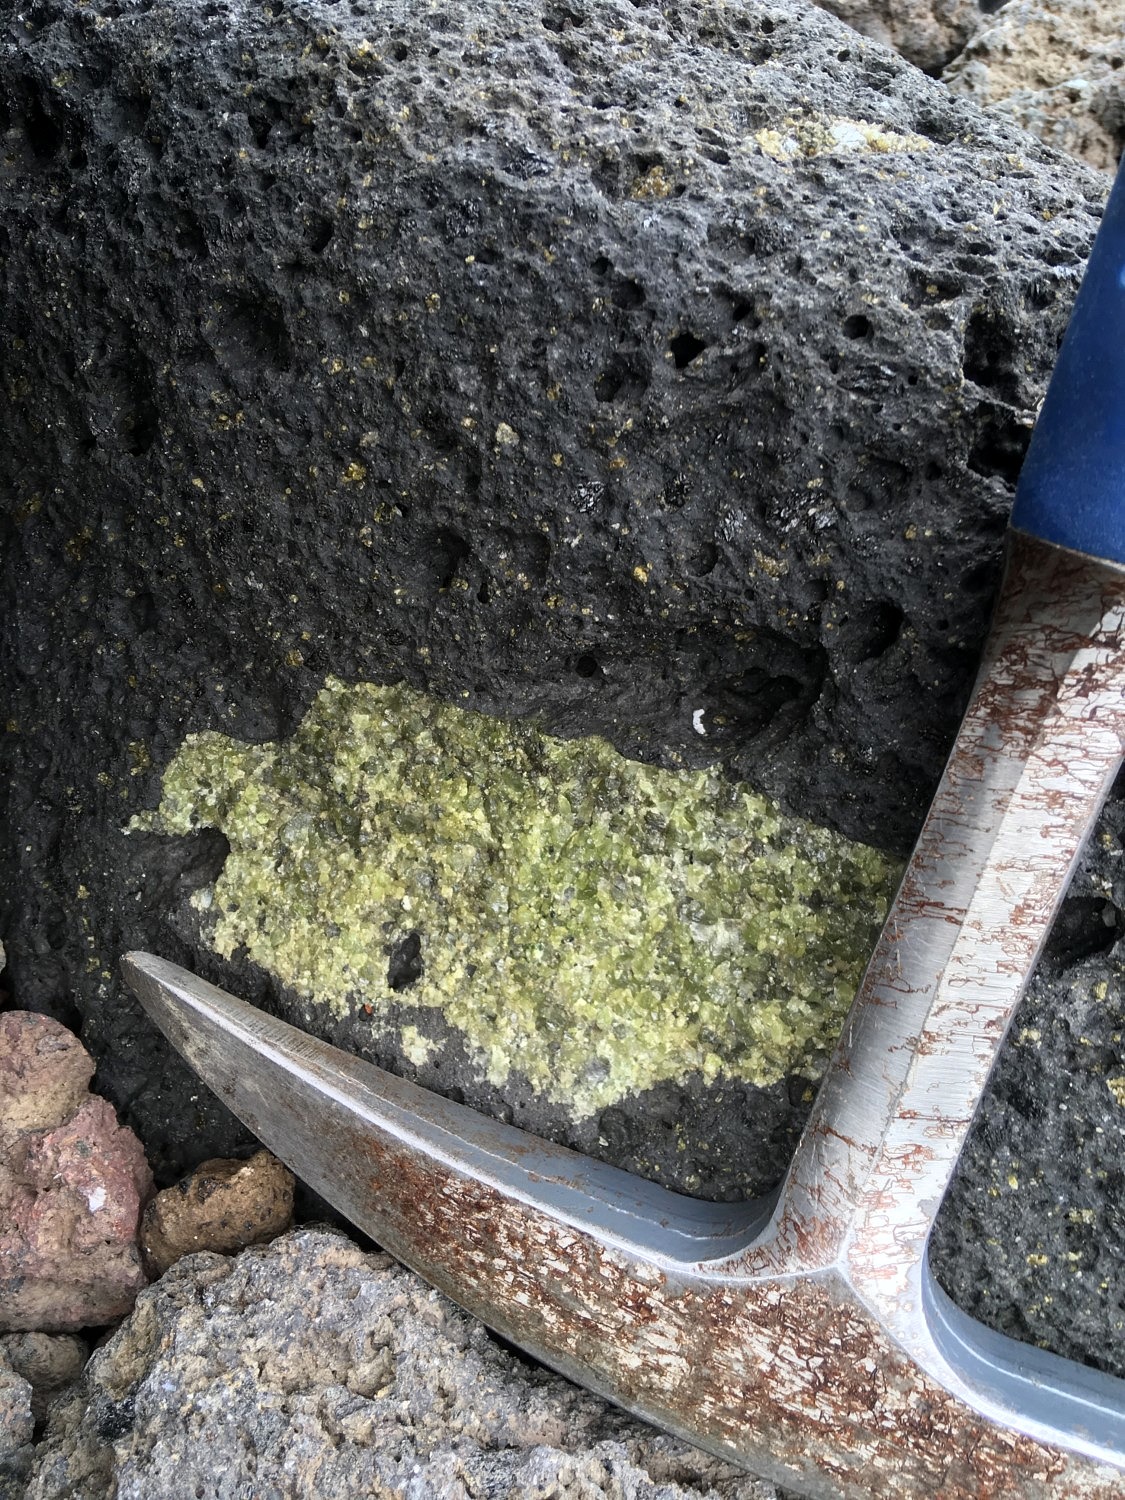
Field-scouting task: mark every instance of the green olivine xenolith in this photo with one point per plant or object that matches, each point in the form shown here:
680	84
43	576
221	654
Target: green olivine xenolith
596	924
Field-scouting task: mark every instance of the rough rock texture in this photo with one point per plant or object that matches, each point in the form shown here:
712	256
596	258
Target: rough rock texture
221	1206
72	1184
45	1074
926	32
1031	1249
310	1368
17	1426
1031	1236
1057	69
1054	68
610	366
47	1361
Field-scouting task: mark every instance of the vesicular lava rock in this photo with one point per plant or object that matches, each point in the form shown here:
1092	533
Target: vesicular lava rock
308	1367
633	369
221	1206
1030	1238
45	1074
72	1184
490	359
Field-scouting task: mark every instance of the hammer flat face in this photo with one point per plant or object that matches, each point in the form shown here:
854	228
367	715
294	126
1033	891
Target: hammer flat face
804	1338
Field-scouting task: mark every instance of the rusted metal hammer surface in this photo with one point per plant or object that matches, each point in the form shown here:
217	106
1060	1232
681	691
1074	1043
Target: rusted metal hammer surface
804	1336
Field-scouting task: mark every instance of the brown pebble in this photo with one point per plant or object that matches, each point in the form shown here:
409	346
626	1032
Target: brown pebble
48	1362
222	1205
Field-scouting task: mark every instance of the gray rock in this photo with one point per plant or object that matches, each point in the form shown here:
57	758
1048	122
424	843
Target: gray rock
1056	69
1031	1236
17	1426
308	1367
928	33
606	366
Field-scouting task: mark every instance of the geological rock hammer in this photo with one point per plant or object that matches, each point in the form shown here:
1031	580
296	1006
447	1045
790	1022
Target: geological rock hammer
805	1336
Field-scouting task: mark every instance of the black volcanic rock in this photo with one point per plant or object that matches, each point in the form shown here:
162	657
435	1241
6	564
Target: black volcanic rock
609	364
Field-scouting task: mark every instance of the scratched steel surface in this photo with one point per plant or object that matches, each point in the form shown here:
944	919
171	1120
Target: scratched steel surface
786	1374
806	1338
1033	761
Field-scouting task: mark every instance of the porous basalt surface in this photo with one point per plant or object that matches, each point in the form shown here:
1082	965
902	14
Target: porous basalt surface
222	1206
629	369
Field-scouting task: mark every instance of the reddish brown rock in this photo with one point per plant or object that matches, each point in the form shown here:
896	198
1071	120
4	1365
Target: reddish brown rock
44	1073
72	1186
223	1205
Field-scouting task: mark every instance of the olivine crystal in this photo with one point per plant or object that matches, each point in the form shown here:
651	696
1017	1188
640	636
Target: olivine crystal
593	923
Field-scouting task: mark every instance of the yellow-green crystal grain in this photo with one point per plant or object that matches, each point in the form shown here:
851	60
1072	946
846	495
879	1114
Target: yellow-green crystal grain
592	923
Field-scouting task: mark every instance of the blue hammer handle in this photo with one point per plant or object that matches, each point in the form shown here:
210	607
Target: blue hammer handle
1072	487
